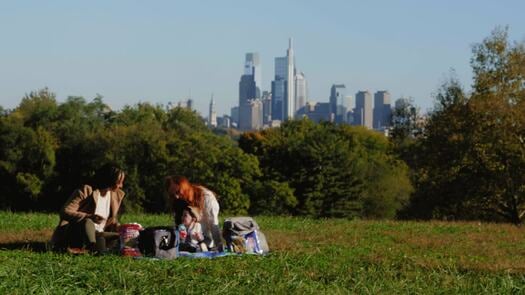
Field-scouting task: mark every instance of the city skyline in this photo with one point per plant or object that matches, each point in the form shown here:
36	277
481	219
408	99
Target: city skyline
132	52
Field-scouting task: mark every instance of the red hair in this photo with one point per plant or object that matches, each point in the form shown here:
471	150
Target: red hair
186	191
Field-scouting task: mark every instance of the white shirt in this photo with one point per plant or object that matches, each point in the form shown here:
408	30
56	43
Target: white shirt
103	207
210	220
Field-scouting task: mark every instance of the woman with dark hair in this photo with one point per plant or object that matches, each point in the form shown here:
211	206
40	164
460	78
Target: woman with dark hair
89	218
182	194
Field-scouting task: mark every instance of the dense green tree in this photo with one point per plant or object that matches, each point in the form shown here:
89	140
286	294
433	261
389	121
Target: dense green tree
496	140
27	160
407	122
76	127
407	129
37	109
472	157
330	169
439	158
271	197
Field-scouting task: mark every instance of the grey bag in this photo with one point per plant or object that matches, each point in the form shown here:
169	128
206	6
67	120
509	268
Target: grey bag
160	242
243	235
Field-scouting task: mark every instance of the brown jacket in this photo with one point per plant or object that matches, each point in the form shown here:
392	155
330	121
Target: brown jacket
82	203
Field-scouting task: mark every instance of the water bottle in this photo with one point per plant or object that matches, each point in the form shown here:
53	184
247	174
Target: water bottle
182	232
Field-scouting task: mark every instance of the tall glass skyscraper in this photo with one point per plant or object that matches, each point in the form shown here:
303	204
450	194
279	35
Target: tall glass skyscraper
290	96
283	86
337	103
278	97
247	89
281	68
252	66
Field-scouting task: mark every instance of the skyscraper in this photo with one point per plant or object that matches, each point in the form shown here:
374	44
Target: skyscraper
212	117
247	89
301	91
279	86
290	96
278	97
337	103
251	115
382	109
246	95
267	107
283	86
363	109
281	68
252	66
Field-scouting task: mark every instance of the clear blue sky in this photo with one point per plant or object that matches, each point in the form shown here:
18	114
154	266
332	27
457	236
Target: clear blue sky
156	51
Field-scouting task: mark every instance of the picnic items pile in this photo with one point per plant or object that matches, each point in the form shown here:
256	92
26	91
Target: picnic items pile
242	236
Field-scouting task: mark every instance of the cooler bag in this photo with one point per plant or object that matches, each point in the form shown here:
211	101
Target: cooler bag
160	242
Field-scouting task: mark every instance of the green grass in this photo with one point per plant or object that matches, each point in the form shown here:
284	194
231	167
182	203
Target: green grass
309	256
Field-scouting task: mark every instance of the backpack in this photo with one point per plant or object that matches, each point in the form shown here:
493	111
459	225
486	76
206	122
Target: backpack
243	235
160	242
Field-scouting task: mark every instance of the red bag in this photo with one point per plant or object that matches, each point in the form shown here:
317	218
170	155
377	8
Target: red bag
129	239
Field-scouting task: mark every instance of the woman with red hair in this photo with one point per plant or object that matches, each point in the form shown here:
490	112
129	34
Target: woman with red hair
182	194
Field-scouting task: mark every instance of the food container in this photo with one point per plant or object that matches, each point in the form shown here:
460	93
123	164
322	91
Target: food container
129	239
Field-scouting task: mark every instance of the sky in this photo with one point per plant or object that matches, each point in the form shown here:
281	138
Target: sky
132	51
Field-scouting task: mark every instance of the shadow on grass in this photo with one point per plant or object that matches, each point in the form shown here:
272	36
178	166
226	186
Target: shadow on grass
28	246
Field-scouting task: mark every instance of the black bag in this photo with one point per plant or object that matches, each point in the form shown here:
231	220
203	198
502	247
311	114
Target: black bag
159	241
242	235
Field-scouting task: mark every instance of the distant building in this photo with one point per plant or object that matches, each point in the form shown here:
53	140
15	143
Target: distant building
251	115
234	116
301	91
337	103
283	86
187	104
281	68
363	109
212	116
252	66
247	89
247	92
224	121
316	112
267	107
279	94
350	104
290	95
382	110
350	117
275	123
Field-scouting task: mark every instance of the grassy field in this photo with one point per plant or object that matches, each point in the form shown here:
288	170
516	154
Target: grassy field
308	256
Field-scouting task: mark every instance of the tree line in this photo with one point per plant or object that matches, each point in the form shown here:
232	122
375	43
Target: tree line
48	149
464	160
